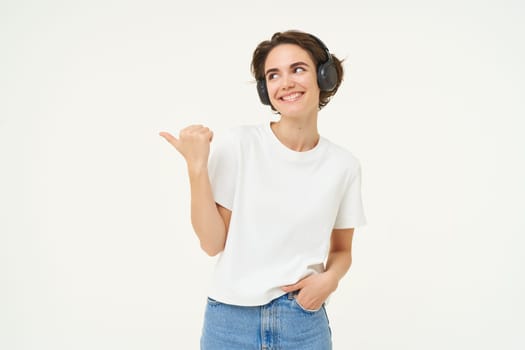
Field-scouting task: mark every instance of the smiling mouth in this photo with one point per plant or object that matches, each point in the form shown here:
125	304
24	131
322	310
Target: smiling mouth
292	97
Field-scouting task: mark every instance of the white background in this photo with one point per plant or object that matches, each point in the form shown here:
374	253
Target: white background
96	246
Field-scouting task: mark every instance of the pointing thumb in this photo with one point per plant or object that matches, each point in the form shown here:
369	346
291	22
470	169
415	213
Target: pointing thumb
169	137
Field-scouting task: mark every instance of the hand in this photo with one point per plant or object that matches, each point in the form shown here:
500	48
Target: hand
314	289
193	144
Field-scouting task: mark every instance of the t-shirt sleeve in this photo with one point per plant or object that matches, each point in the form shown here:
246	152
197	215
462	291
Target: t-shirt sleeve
351	212
222	169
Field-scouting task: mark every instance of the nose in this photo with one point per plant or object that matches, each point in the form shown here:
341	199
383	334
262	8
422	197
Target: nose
287	82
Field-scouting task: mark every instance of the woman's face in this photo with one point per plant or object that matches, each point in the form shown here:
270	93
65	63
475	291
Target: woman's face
291	80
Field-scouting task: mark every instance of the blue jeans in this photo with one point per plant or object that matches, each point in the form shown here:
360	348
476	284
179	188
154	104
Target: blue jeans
282	324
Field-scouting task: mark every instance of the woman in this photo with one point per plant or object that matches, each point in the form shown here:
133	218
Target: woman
277	200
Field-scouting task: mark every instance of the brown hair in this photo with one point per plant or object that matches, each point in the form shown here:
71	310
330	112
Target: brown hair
307	42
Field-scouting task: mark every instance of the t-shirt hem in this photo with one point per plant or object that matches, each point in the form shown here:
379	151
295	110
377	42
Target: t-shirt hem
350	224
224	204
238	301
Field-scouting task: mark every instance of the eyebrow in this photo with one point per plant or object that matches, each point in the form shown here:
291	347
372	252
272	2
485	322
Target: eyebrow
293	65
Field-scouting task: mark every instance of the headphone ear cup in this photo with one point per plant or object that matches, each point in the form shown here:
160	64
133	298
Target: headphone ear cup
327	76
263	92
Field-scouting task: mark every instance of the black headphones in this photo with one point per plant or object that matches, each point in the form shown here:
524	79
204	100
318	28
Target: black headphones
326	76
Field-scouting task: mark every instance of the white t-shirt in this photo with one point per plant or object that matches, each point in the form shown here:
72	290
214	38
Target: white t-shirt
284	206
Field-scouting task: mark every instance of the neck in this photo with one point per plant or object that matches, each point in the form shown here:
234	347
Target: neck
297	134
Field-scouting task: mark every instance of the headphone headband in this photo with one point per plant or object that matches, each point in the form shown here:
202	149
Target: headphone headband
324	47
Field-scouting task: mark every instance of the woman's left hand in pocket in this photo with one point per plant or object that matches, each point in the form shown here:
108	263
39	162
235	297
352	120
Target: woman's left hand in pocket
313	289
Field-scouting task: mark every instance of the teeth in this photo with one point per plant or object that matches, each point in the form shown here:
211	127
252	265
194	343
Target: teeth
291	97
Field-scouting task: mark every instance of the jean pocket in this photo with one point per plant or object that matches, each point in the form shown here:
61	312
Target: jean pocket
309	311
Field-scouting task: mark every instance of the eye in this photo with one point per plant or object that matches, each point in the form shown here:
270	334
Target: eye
271	76
299	70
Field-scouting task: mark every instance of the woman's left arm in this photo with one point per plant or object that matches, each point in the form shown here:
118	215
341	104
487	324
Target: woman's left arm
340	256
315	289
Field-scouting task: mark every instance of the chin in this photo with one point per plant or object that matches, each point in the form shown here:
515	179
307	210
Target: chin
290	113
295	112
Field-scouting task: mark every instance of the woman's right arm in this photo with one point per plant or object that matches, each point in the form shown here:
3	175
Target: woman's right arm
210	226
209	220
